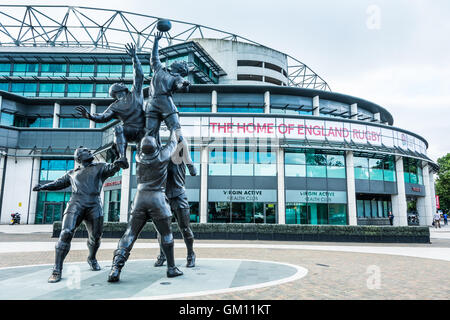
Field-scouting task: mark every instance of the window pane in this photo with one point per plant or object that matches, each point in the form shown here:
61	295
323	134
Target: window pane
242	169
336	172
292	170
360	208
265	169
337	214
219	212
361	173
219	169
294	158
316	171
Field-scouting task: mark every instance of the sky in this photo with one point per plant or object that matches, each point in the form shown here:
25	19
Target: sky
395	53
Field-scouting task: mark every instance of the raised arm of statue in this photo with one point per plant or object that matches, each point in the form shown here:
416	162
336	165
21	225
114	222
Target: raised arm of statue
154	60
138	73
58	184
105	116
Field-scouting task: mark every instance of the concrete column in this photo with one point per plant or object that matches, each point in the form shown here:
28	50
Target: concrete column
351	193
432	192
281	193
214	101
354	111
377	117
267	102
56	111
2	170
125	190
92	111
204	184
316	106
33	195
399	207
1	102
424	207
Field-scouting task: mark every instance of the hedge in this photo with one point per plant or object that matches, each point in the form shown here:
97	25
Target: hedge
282	232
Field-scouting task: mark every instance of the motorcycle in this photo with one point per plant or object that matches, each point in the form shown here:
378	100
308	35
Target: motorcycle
15	218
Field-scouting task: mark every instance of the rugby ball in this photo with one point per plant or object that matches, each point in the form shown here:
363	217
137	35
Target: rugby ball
163	25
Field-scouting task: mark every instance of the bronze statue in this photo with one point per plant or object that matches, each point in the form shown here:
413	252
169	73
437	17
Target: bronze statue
179	205
128	107
160	107
150	201
84	206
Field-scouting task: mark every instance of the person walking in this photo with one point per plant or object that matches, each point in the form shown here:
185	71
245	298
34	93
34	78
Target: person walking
445	218
391	218
437	220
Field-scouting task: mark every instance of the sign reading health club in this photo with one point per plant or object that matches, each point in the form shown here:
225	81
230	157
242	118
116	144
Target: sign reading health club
299	129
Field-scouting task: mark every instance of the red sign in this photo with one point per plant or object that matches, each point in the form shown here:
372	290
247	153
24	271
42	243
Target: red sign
112	183
416	189
437	203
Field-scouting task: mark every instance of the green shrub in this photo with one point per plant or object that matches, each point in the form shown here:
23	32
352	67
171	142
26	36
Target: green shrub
373	232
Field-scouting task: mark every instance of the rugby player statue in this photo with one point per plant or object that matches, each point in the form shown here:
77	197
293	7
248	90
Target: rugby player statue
160	107
150	201
84	206
127	107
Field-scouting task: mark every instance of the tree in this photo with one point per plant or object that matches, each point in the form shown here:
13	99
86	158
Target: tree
443	182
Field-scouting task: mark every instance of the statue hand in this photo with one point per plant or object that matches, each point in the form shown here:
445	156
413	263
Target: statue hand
37	187
158	36
130	49
83	112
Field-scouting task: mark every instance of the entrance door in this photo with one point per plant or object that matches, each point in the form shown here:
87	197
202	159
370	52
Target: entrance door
52	212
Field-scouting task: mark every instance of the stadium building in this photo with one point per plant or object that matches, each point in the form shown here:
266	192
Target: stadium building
272	143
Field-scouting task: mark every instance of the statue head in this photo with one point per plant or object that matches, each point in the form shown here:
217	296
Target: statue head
180	67
117	90
149	146
82	155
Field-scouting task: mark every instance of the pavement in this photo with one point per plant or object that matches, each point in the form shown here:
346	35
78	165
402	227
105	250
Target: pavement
312	270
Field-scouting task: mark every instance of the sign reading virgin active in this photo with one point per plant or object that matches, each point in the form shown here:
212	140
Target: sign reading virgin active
299	129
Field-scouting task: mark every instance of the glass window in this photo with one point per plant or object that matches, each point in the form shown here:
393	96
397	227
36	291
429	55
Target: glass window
360	208
337	214
24	88
296	213
318	213
265	169
73	123
109	70
336	172
367	209
102	90
194	109
81	70
361	168
376	169
52	89
241	109
54	169
80	90
219	169
294	158
316	159
5	69
316	171
53	69
291	170
25	69
4	86
7	119
242	212
219	212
